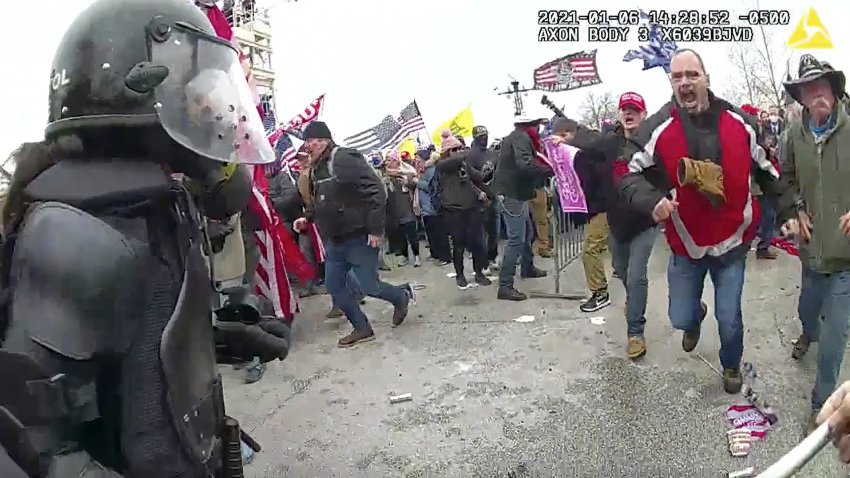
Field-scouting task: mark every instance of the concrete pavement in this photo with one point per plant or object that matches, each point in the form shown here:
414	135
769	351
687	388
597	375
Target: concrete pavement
494	398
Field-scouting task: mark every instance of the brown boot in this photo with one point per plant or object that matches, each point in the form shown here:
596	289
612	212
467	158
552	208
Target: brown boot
768	254
356	337
801	346
732	380
690	338
636	347
545	253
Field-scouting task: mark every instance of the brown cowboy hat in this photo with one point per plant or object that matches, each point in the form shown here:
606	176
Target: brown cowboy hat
811	69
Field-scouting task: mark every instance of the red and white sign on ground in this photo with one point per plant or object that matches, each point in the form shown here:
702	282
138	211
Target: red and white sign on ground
747	416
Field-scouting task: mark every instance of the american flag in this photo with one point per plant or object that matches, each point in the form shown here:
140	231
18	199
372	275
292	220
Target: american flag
372	139
411	121
655	52
569	72
286	159
277	249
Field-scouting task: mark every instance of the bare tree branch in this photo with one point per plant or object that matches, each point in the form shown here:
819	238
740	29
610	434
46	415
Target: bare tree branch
756	78
597	108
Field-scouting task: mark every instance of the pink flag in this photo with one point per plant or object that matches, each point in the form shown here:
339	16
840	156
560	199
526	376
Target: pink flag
560	157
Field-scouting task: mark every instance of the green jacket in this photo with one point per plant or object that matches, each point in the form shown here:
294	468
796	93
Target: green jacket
816	179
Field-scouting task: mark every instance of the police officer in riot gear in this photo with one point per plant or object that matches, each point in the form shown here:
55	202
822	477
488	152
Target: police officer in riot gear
107	356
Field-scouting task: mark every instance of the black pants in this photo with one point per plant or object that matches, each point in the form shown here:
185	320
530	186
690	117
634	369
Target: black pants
395	240
465	228
438	237
492	230
406	236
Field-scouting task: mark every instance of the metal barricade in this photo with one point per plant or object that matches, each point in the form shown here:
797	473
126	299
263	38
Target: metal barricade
567	246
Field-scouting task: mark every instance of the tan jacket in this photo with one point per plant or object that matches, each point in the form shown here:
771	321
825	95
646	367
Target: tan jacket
304	187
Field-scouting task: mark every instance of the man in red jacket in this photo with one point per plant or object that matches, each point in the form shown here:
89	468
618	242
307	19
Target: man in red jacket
709	150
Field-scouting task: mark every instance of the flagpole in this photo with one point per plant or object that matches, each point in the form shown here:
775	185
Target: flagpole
428	133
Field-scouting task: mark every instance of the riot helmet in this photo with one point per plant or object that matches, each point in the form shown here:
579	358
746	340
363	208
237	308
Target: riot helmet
142	63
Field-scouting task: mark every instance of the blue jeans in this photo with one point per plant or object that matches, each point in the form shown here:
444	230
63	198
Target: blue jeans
686	278
520	232
630	260
768	227
826	295
353	287
355	255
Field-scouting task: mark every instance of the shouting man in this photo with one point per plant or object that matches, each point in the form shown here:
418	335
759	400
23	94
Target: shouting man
709	151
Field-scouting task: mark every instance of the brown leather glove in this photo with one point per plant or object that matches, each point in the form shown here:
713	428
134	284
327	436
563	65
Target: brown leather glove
705	176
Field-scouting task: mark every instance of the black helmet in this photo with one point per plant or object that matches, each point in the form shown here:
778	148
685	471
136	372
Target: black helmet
132	63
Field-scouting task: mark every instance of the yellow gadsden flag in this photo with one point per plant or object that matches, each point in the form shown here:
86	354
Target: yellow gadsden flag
407	145
460	125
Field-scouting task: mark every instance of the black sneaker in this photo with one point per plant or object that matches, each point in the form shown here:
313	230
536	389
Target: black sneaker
690	338
534	273
509	293
597	301
481	279
462	284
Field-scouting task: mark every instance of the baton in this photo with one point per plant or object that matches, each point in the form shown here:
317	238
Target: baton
801	454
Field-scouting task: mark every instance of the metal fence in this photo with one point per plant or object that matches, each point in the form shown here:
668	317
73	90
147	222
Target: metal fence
567	238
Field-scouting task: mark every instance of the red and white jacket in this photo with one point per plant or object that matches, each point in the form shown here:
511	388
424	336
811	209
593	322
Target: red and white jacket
696	229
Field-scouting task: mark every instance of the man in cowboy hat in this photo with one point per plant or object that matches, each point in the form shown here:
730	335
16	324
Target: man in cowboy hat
814	206
517	173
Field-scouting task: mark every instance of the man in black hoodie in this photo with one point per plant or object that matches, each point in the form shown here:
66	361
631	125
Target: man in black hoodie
483	159
348	201
632	233
463	195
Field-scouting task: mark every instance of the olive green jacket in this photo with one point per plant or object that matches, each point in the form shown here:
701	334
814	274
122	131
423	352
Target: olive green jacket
816	179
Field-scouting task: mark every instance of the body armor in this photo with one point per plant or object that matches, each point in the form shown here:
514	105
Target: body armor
109	359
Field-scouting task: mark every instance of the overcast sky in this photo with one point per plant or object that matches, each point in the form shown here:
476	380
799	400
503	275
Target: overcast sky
372	57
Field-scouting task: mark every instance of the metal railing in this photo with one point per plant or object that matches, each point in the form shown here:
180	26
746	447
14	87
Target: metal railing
796	459
243	14
568	239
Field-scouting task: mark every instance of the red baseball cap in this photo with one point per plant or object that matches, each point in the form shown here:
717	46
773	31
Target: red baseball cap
632	99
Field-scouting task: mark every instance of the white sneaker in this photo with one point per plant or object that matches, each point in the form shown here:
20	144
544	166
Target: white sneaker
417	261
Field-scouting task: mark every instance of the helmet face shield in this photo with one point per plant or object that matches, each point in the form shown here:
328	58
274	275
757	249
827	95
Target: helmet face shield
205	103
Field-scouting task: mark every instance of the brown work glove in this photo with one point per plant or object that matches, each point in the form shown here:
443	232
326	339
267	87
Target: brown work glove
705	176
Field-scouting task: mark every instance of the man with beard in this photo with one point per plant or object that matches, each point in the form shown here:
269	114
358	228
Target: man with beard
814	205
710	151
483	159
348	201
